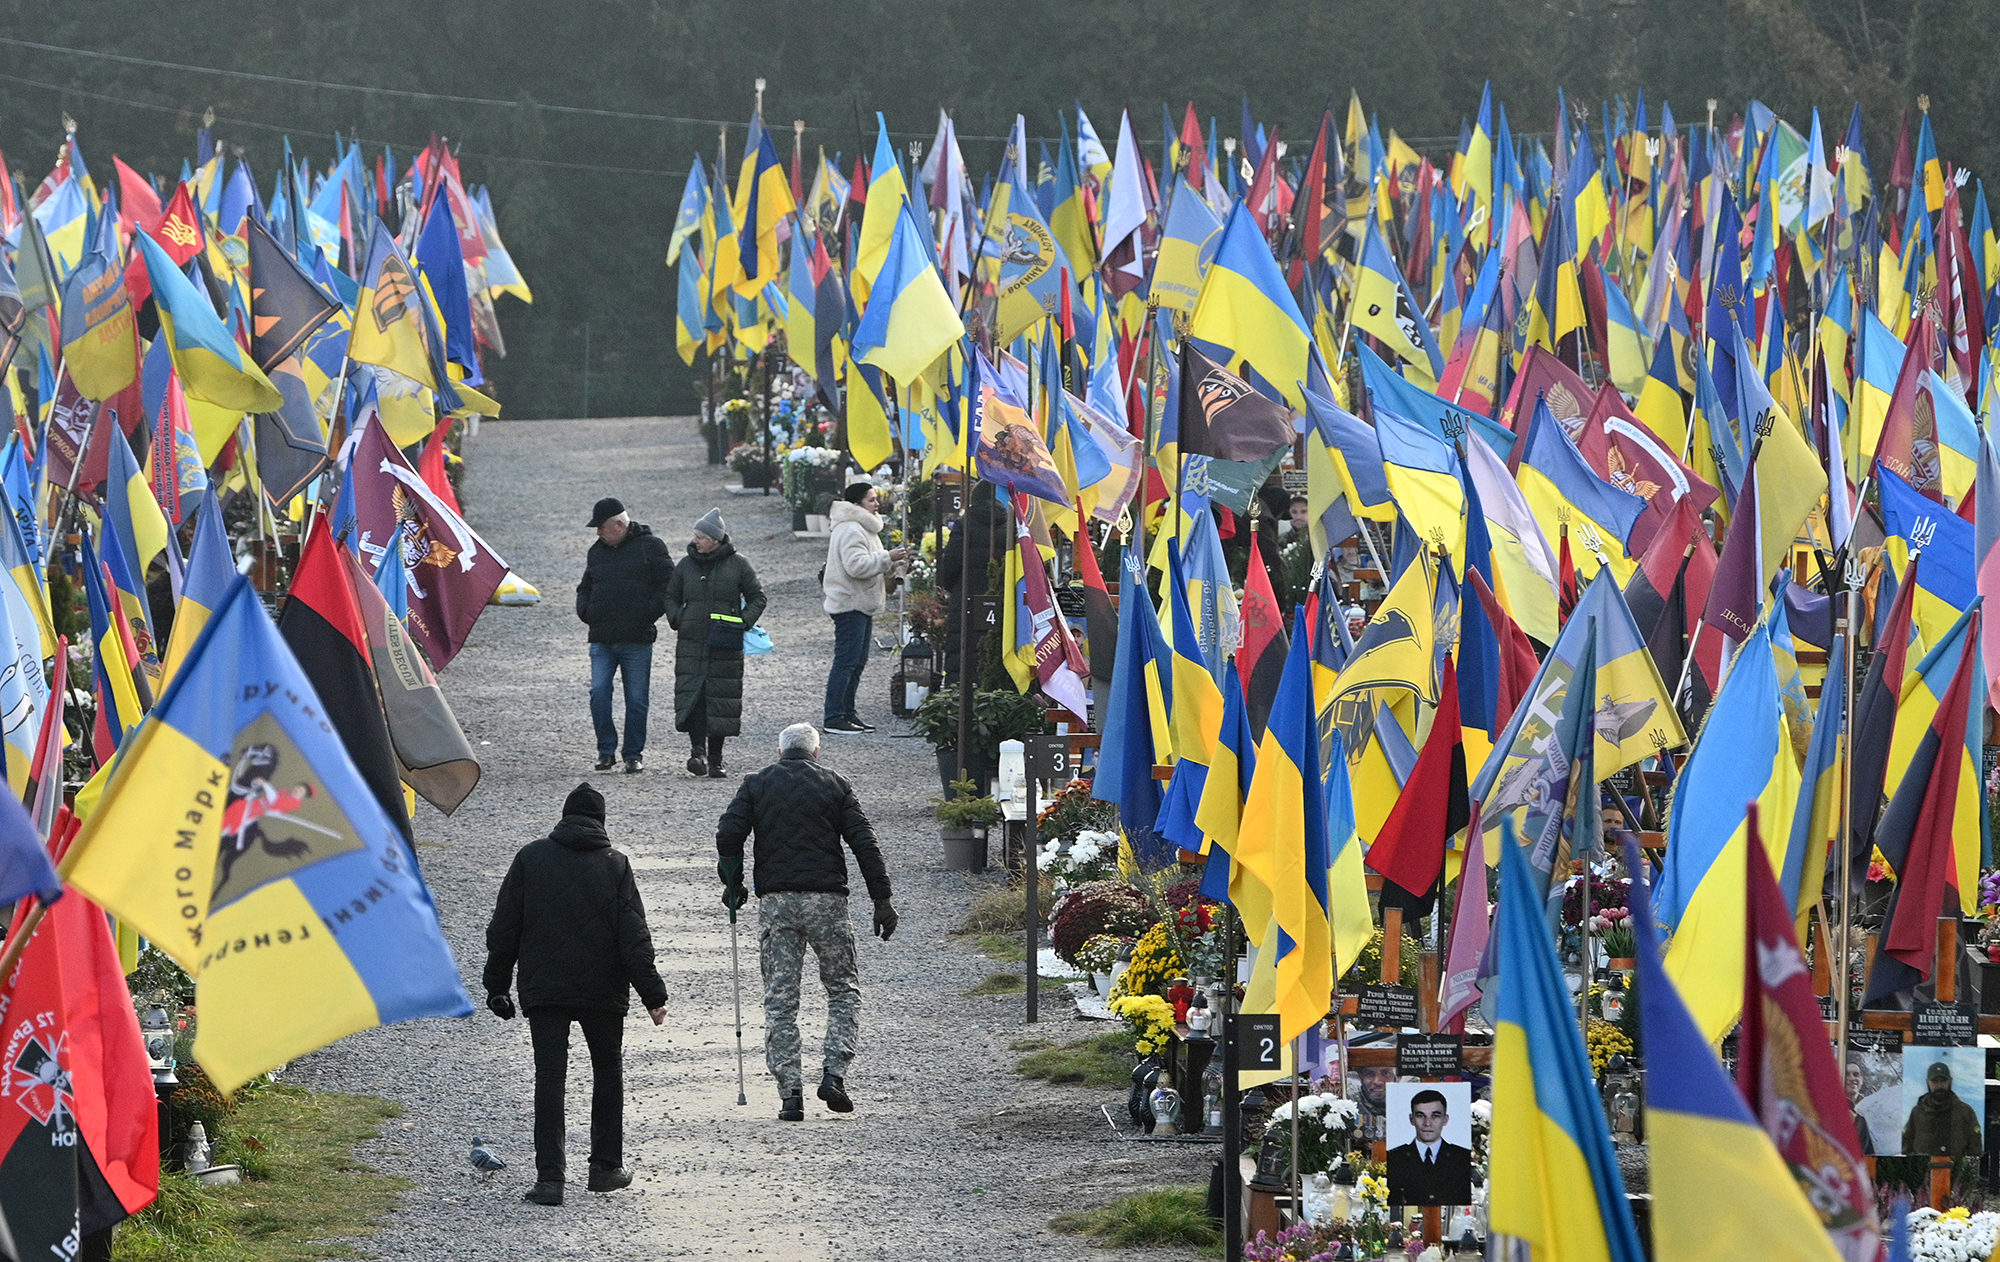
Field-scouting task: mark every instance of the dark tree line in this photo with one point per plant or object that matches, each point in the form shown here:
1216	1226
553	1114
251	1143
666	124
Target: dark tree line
586	201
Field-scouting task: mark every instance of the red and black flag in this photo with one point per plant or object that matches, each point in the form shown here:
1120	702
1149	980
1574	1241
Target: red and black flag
1916	837
1100	620
1434	805
79	1123
436	759
1261	659
322	624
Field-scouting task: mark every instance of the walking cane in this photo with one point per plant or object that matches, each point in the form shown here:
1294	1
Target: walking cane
736	982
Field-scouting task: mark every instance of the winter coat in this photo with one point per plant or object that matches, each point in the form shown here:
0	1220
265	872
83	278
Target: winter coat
801	812
624	589
856	561
1942	1125
569	915
717	582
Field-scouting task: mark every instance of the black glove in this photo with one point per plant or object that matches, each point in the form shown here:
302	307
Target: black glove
730	868
502	1005
885	919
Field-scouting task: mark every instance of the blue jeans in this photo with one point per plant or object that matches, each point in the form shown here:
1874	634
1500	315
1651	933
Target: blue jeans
850	658
635	662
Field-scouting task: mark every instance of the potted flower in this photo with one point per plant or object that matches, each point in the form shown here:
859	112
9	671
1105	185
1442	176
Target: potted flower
1614	928
1325	1122
747	459
1001	715
1098	957
963	819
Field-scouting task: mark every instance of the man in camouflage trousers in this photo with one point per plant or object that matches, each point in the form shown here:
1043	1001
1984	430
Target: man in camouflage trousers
802	813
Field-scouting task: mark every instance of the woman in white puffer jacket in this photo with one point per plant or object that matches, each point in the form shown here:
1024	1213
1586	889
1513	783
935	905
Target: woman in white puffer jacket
856	566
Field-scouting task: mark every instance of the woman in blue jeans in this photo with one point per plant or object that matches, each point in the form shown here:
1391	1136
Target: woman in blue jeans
856	566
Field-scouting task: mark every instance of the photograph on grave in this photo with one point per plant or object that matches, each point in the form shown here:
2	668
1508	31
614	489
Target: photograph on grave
1944	1099
1430	1143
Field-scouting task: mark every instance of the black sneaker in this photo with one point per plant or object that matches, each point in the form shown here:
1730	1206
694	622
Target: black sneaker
634	765
791	1108
609	1178
715	771
606	762
697	766
834	1091
848	727
544	1194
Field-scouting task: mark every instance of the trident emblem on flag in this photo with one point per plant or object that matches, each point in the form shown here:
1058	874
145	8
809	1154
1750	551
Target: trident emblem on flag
1922	531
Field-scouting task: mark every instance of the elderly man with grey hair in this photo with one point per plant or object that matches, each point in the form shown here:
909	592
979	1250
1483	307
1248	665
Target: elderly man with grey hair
802	813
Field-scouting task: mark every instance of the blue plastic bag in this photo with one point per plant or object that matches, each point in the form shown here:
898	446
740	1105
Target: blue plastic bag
756	641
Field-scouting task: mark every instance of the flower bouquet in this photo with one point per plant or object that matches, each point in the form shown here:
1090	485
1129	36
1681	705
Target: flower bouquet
1956	1235
1325	1122
1149	1017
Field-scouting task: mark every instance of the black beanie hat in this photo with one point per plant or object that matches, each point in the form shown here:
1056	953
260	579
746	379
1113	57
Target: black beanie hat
586	801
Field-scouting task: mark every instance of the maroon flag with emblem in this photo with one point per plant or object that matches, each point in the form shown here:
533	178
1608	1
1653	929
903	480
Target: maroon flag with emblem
1631	457
1786	1069
450	571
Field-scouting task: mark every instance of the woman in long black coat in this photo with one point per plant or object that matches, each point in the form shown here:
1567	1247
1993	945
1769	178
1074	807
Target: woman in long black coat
712	599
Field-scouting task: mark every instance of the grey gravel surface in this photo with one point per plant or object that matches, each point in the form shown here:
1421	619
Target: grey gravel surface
949	1153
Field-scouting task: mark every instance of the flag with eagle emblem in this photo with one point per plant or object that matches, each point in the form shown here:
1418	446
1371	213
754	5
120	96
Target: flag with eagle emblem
449	571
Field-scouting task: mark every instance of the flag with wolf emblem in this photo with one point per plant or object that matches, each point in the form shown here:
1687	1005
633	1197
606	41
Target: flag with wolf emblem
449	571
238	836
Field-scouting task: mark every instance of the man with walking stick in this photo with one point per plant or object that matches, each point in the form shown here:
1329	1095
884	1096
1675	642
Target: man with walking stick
802	812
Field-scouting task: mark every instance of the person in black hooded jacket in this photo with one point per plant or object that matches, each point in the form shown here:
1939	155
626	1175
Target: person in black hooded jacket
623	593
569	916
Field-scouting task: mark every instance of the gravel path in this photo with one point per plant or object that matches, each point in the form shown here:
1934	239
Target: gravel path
949	1154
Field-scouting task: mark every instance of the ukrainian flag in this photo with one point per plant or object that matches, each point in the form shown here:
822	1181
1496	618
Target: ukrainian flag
910	319
1422	473
1946	582
1816	820
1719	1186
131	510
1197	719
238	836
1136	718
1246	308
1385	307
763	199
1282	842
1555	1180
25	573
212	366
1188	242
1660	406
1232	768
120	702
1745	755
1878	362
1563	490
211	567
689	334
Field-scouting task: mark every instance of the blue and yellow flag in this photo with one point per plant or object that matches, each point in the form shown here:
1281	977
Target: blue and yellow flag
763	199
24	573
211	568
1385	307
1744	756
910	319
1137	716
212	366
1563	491
1282	842
1715	1174
1555	1180
1232	766
1197	718
1246	308
238	836
1422	472
131	510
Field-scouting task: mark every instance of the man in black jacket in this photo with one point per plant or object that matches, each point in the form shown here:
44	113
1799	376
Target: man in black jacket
623	593
801	813
569	914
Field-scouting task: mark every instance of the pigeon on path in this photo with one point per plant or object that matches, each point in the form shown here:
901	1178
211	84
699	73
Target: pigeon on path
484	1159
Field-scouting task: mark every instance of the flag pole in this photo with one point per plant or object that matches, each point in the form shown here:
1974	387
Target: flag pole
1849	622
